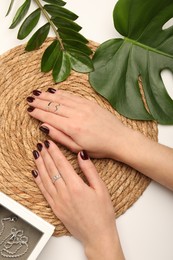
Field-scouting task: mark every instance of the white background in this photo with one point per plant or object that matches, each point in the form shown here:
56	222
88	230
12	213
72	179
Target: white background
146	229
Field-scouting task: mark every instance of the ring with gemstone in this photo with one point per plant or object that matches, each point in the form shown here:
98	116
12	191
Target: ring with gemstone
55	178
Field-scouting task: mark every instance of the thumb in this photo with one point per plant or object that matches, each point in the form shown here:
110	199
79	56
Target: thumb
89	170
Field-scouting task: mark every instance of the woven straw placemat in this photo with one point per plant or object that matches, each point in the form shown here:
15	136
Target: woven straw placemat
19	133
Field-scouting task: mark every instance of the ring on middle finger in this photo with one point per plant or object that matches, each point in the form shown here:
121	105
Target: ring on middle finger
55	178
53	107
56	108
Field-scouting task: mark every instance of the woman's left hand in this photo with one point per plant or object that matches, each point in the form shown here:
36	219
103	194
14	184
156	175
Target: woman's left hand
85	210
79	124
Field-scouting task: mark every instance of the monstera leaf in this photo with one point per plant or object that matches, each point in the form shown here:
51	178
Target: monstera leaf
145	51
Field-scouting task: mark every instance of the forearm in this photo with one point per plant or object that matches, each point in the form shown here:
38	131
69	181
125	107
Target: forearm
105	248
147	156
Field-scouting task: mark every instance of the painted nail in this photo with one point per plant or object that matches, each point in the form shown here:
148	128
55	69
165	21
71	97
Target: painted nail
84	155
46	143
51	90
35	154
30	99
30	109
36	92
44	129
39	147
34	173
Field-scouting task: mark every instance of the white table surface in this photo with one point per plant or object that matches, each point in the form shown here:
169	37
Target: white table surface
146	229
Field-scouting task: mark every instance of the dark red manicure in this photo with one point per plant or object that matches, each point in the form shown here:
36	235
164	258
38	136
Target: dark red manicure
51	90
30	109
34	173
36	92
47	144
35	154
84	155
39	147
30	99
44	129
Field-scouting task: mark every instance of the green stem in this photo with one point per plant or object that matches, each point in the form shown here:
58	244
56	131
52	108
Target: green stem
147	47
50	22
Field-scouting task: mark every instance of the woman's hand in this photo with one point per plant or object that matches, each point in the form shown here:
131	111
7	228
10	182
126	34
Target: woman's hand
77	123
85	210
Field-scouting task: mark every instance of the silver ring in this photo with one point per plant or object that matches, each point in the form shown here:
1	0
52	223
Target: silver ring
48	105
56	108
55	178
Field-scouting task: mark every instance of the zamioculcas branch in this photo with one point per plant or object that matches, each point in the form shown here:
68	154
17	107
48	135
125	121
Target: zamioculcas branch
69	49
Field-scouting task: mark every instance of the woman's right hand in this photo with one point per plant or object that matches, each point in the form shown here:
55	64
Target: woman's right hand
85	209
78	123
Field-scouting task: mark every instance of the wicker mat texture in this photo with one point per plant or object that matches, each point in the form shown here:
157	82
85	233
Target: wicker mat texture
19	133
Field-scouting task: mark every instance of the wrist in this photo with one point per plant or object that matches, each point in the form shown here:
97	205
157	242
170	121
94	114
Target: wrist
129	150
122	144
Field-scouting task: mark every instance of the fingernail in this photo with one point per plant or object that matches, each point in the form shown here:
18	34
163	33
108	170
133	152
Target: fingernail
35	154
36	92
39	147
30	99
44	129
51	90
47	144
84	155
30	109
34	173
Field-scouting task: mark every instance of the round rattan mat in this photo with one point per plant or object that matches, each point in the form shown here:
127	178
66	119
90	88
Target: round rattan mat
19	133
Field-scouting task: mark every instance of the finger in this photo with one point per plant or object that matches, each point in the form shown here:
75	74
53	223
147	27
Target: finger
51	107
56	97
56	121
45	179
89	171
64	167
51	168
60	137
40	185
72	96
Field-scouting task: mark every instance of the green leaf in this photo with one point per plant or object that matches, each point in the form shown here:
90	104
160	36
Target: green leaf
72	45
58	10
56	2
50	56
29	24
61	21
10	7
80	62
20	14
62	67
145	51
68	34
38	38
